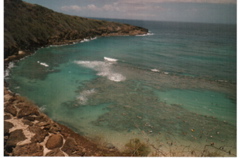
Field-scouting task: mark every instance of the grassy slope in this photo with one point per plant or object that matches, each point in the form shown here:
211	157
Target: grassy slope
28	26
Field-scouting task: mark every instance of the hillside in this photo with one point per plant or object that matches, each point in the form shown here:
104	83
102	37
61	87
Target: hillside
29	26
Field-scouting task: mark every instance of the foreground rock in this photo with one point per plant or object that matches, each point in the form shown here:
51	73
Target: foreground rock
32	149
29	132
54	141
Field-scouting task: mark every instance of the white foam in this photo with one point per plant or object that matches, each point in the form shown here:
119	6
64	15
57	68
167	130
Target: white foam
85	40
103	69
88	39
147	34
93	38
83	97
155	70
43	64
7	71
11	65
110	59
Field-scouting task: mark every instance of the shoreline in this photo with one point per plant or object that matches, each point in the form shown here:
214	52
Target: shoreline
30	132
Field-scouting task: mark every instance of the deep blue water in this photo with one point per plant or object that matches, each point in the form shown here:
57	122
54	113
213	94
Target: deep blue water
177	83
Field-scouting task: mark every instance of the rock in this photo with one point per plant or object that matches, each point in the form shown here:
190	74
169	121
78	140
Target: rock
5	140
27	122
21	52
7	126
40	134
32	149
55	152
15	137
11	109
54	141
71	148
40	124
42	118
110	146
7	96
30	118
7	117
46	125
55	128
26	110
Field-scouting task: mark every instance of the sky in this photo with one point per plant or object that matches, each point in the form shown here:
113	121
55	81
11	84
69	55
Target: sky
207	11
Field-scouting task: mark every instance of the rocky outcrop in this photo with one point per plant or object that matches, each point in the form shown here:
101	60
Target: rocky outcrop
28	26
13	138
29	132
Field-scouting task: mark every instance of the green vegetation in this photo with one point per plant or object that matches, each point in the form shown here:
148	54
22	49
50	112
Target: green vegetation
29	26
136	148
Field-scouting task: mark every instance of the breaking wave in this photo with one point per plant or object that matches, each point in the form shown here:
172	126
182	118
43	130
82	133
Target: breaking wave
88	39
103	68
110	59
155	70
43	64
147	34
7	71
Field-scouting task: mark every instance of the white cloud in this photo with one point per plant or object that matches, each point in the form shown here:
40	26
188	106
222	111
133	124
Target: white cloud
112	7
92	7
181	1
71	8
120	6
137	5
77	8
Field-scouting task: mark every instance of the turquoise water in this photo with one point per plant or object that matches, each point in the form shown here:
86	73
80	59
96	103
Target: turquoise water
177	84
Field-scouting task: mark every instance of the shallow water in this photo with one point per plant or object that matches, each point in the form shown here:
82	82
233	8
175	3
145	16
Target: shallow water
174	89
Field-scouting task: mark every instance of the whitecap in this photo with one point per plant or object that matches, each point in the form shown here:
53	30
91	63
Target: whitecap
93	38
43	64
147	34
83	97
104	69
85	40
7	71
155	70
43	108
110	59
11	65
88	39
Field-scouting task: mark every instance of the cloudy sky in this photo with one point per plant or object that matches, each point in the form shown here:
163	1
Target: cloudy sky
209	11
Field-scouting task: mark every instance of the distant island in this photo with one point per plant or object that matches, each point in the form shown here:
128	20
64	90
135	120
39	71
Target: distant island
27	131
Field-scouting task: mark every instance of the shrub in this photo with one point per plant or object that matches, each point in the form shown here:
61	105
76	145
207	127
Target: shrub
136	148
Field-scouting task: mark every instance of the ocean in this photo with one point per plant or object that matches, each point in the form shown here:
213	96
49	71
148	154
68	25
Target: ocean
174	88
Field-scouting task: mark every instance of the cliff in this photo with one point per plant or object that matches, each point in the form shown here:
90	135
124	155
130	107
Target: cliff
30	26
